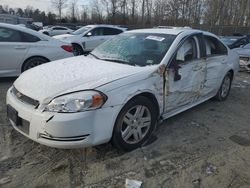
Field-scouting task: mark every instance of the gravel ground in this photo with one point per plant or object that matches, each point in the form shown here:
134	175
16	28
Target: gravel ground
207	146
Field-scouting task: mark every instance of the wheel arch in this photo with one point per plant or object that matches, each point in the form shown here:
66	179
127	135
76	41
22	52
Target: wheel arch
77	44
150	96
231	71
36	56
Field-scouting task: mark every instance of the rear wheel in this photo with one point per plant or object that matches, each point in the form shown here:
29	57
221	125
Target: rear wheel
77	50
135	123
225	87
33	62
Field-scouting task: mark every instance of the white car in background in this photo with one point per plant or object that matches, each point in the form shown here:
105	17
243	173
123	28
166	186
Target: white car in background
56	30
244	53
22	48
87	38
120	91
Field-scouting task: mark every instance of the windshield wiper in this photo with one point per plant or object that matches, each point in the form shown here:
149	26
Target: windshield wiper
117	61
95	56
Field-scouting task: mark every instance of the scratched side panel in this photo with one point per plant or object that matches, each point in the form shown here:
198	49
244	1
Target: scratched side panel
151	81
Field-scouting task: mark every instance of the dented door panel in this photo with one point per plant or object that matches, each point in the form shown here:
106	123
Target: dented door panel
215	73
189	88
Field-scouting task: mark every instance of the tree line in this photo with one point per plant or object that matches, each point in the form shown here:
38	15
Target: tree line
143	12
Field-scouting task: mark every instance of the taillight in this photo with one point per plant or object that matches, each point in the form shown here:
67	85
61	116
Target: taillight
67	48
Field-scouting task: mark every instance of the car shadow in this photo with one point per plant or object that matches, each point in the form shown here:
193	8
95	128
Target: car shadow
7	79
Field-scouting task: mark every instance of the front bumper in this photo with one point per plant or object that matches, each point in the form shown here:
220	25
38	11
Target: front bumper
245	63
64	130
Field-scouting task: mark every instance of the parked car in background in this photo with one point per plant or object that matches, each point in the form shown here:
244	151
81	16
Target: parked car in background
70	26
244	53
120	91
56	30
33	27
22	48
87	38
236	41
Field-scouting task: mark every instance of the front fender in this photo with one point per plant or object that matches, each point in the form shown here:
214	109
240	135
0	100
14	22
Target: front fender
152	84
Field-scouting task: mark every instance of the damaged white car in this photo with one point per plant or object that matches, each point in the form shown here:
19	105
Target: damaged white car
120	91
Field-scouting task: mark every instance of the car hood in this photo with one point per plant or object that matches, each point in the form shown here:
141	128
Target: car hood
242	52
68	75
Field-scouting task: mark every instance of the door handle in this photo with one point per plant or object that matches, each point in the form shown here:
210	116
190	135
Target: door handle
20	47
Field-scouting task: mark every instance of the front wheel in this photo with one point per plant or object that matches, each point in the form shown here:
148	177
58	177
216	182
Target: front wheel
225	87
135	123
33	62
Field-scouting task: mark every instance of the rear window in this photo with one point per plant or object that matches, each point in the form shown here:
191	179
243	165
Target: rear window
11	35
214	46
25	37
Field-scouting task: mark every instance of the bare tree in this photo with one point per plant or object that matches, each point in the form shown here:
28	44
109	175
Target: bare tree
73	9
97	11
59	5
84	14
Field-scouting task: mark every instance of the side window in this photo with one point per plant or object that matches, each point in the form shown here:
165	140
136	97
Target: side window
247	46
188	51
240	43
112	31
59	28
97	31
214	46
25	37
9	35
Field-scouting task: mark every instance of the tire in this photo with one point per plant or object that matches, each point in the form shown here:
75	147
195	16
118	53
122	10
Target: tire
46	33
130	131
77	50
225	88
33	62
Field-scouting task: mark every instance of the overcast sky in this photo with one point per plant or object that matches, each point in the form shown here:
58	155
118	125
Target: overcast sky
41	4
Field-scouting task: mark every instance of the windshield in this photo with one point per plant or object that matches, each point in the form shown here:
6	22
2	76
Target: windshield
81	30
138	49
229	40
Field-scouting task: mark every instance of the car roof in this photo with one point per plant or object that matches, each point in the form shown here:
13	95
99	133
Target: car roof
173	31
26	30
106	25
60	26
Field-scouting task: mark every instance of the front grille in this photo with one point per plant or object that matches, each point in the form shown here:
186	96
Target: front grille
24	98
65	139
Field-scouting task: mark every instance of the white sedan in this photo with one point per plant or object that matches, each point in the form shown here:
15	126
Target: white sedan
244	53
56	30
87	38
23	48
120	91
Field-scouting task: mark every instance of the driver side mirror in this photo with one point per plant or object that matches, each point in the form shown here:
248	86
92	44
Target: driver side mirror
89	34
175	66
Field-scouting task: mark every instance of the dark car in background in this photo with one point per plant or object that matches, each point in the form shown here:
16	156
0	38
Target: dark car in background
236	41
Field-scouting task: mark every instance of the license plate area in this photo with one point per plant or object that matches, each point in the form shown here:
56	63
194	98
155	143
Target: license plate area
12	114
20	123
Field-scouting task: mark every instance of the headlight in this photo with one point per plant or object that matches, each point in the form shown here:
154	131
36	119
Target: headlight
77	102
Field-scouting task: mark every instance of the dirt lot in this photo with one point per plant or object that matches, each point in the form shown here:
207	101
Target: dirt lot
207	146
